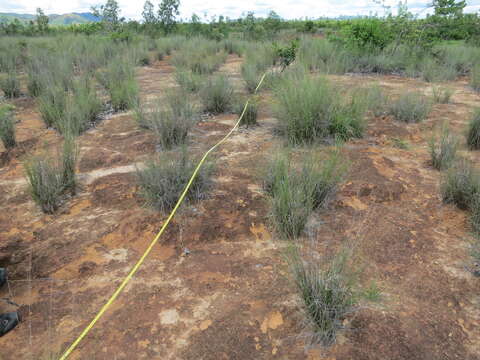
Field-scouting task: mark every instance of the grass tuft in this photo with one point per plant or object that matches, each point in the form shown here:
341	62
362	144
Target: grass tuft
442	95
443	151
460	184
217	95
473	133
410	107
7	128
10	85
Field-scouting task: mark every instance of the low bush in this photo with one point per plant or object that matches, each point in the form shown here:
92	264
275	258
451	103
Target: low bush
7	128
297	192
410	107
432	71
460	184
326	291
10	85
217	95
443	150
442	95
188	80
376	100
473	133
163	180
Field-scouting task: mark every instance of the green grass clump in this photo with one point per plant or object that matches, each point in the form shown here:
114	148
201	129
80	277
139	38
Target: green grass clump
310	109
251	113
326	291
49	180
10	85
217	95
475	77
188	80
432	71
7	128
411	107
443	151
52	103
473	133
460	184
297	192
442	95
164	179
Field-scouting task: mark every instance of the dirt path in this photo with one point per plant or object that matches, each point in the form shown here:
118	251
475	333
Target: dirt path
230	298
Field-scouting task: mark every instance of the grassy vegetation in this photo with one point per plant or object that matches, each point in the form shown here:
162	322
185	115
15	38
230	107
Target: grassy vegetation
473	133
460	184
200	56
10	85
7	128
443	150
50	180
251	113
442	95
297	192
310	109
475	77
52	104
217	95
163	180
410	107
188	80
326	291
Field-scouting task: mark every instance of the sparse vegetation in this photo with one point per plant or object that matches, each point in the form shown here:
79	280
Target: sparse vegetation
410	107
475	77
460	184
217	95
7	128
442	95
163	180
251	112
443	150
473	133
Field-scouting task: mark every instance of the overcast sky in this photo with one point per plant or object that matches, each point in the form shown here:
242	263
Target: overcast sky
287	9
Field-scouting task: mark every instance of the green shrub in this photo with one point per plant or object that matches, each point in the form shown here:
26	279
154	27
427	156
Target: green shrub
163	180
297	192
10	85
460	184
217	95
7	128
443	153
326	291
473	133
411	107
310	109
442	95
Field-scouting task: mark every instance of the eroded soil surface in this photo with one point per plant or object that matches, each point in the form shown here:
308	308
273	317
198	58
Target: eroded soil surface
231	297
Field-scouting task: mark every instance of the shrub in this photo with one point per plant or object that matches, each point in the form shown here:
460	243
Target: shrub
442	96
297	192
410	107
217	95
443	153
163	180
7	128
10	85
326	291
460	184
475	77
432	71
375	99
310	109
473	133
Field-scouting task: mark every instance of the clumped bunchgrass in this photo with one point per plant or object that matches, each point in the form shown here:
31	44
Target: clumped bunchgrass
411	107
460	184
251	112
432	71
217	95
10	85
475	77
50	179
119	80
257	60
442	95
376	100
311	109
163	180
188	80
327	293
52	103
475	216
297	191
201	56
7	128
171	119
443	149
473	132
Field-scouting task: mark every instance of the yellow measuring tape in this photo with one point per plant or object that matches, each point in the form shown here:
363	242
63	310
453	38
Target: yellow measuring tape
155	240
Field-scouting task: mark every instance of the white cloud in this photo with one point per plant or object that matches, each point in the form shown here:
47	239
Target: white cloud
286	8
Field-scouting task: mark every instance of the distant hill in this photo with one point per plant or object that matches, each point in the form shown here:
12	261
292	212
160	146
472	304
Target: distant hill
55	19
